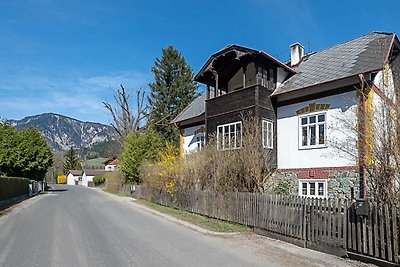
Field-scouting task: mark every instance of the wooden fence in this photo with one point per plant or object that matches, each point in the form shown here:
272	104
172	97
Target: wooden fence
326	225
375	235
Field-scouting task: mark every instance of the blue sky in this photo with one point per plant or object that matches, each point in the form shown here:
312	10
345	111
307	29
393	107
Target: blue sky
68	56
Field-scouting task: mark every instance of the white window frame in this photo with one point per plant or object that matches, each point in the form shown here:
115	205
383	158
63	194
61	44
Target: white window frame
200	141
316	184
267	141
316	124
237	135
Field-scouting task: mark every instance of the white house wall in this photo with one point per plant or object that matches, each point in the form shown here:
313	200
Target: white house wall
340	122
281	75
111	168
384	81
70	179
190	143
381	107
86	179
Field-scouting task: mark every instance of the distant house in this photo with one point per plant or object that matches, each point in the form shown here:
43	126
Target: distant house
88	175
111	164
74	177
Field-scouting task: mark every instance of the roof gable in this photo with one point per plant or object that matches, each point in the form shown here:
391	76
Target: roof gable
238	53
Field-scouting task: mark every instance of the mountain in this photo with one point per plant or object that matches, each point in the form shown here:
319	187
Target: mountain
62	132
104	149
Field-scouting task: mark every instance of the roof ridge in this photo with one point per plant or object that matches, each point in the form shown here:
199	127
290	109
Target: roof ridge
355	38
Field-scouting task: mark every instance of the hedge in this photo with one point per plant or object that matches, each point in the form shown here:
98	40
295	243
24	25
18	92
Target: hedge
99	180
13	187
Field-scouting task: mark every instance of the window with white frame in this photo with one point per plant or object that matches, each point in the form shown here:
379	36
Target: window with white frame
313	188
267	134
312	130
229	136
200	141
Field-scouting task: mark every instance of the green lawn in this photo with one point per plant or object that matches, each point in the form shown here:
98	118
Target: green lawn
120	194
96	163
202	221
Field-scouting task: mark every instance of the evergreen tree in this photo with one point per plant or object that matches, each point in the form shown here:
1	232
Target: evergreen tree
173	89
71	161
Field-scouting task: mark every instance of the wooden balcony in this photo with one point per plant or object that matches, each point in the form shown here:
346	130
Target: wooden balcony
242	99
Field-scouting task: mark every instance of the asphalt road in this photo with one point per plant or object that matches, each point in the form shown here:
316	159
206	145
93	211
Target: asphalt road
77	226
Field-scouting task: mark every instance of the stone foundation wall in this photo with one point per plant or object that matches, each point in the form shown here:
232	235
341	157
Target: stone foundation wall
341	183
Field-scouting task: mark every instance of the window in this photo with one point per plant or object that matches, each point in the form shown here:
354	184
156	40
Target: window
313	188
200	141
312	130
229	136
267	134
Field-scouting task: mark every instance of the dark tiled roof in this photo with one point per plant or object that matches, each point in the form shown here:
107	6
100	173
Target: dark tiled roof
194	109
360	55
94	172
76	172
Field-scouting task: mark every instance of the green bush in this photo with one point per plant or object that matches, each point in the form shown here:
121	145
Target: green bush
13	187
99	180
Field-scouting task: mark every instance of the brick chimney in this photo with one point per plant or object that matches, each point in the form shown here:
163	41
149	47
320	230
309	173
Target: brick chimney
296	54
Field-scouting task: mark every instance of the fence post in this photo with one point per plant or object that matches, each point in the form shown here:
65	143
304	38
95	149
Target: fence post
304	221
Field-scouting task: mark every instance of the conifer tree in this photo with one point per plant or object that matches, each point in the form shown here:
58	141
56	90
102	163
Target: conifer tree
172	90
71	161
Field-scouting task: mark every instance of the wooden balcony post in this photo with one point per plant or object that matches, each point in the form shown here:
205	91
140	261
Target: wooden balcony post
216	82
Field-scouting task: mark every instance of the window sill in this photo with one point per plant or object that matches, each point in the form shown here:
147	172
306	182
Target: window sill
228	149
312	147
265	147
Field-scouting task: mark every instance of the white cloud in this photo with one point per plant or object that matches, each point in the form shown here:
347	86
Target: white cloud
78	97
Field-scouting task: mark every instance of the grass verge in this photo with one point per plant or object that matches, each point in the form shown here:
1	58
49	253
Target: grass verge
114	192
199	220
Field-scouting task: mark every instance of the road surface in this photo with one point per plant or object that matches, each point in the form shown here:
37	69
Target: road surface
77	226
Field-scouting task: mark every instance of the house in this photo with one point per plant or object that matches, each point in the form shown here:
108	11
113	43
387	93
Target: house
191	123
88	175
74	177
302	105
111	164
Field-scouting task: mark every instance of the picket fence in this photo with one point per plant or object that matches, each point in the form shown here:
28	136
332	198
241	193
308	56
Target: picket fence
326	225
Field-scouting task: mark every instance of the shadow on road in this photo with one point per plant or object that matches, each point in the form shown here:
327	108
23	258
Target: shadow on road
4	205
57	190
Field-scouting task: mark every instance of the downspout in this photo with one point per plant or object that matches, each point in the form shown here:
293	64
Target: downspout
361	138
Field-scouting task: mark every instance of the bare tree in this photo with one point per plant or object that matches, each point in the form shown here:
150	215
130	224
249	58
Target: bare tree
372	140
125	120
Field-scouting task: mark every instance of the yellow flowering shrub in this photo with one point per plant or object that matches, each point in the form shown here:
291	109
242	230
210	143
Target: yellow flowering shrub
61	179
162	173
